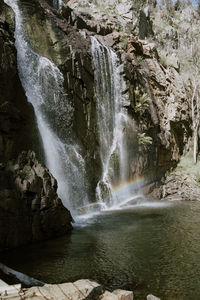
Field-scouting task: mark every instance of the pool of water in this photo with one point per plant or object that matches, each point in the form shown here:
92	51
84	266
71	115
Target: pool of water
150	248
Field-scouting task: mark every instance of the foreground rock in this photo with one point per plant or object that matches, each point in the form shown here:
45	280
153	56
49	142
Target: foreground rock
79	290
83	289
30	209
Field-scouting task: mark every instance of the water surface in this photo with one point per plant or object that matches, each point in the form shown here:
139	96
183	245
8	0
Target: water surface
151	248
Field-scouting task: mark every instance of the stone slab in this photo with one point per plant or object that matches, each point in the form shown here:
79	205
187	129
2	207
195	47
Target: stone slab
123	295
78	290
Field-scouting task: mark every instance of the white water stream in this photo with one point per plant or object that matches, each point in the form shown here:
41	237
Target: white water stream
43	84
114	126
57	4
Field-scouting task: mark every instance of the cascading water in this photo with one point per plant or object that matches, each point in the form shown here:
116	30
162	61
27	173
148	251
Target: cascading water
43	84
57	4
114	126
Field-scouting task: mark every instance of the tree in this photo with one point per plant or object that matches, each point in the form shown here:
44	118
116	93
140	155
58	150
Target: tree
195	97
177	5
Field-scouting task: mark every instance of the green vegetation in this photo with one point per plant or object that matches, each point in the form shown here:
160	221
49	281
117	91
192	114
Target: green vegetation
124	42
142	101
186	166
144	141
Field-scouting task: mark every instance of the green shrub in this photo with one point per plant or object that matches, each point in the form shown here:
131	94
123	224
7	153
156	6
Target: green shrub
144	141
142	101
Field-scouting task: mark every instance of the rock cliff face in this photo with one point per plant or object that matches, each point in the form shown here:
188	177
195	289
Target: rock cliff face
159	104
30	208
154	96
157	98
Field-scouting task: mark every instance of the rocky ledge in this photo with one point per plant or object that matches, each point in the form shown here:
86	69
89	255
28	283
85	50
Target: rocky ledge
79	290
182	183
179	187
30	209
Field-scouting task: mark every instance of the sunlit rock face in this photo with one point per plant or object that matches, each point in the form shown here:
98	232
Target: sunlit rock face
160	105
101	17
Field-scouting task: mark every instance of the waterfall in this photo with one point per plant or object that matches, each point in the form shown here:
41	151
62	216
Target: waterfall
43	84
114	126
57	4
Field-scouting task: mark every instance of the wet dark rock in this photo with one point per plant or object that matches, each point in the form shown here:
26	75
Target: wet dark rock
18	130
30	208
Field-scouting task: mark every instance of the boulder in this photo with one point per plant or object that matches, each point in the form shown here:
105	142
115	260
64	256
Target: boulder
30	209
